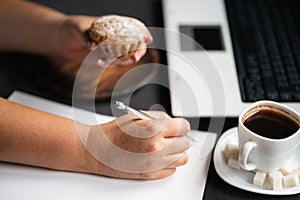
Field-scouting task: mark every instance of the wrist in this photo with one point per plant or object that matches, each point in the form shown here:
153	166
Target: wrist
84	160
92	143
59	35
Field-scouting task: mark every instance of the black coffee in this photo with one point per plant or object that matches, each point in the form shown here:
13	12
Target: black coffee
270	124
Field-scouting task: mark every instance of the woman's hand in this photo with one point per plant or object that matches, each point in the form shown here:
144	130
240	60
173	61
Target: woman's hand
73	43
124	148
129	147
72	39
34	28
73	46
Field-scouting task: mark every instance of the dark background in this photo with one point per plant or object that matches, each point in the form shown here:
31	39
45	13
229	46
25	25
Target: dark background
16	74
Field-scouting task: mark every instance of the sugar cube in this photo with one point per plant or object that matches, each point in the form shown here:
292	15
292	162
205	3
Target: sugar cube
233	162
275	179
297	172
288	168
259	178
230	150
291	180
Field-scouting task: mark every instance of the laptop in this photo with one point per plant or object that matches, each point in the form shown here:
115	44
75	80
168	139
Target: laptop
230	53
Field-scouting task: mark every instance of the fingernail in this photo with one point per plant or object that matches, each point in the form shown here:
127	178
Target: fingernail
149	39
89	43
136	57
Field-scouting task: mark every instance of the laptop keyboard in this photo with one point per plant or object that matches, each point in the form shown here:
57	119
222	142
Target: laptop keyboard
266	43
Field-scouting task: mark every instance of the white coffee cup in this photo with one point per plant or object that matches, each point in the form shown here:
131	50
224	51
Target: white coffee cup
261	152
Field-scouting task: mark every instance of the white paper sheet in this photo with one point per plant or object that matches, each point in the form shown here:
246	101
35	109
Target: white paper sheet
24	182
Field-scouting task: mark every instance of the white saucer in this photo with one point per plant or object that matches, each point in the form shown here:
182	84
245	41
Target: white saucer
241	178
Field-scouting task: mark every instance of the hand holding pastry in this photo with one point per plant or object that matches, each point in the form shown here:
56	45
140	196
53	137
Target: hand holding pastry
121	37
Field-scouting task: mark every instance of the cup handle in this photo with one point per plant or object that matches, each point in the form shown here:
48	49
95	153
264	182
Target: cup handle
244	154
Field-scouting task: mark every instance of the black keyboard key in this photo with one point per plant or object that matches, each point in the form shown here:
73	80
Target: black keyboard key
296	96
282	84
293	78
286	96
273	95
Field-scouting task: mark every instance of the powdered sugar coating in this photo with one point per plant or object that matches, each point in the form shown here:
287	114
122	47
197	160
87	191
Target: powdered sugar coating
118	35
